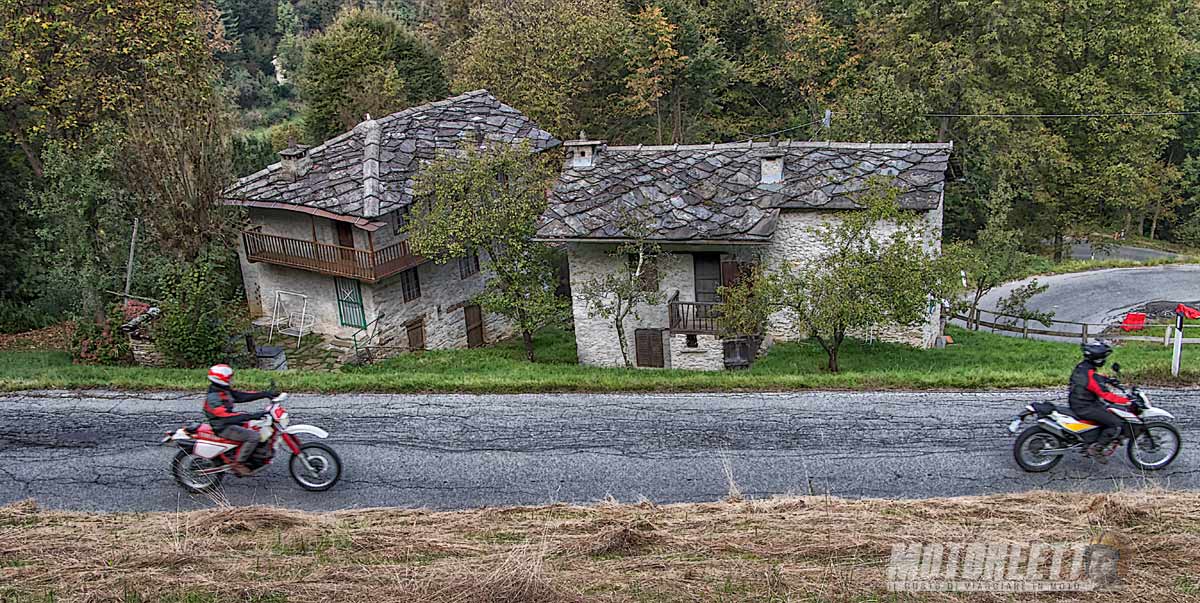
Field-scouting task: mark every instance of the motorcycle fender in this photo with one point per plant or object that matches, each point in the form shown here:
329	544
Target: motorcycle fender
1055	428
307	430
209	450
1156	413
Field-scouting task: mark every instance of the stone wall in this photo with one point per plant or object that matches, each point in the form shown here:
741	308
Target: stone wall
443	295
708	355
794	243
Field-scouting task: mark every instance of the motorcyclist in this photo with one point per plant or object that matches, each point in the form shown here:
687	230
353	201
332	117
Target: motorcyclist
227	422
1090	396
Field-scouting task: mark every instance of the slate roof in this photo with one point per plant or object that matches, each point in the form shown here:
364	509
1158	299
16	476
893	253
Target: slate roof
713	192
345	169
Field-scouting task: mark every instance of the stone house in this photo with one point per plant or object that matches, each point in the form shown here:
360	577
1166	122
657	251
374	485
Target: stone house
714	207
325	223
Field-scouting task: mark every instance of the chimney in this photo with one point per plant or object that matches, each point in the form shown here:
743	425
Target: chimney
771	171
372	186
582	153
295	161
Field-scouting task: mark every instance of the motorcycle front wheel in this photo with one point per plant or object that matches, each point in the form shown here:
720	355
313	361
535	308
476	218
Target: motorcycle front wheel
186	469
1029	447
1156	446
316	468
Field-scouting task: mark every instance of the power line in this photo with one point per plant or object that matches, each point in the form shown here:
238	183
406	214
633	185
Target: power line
1059	115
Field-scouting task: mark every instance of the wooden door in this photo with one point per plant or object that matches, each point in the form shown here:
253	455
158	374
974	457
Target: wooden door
474	318
345	237
648	347
416	334
707	270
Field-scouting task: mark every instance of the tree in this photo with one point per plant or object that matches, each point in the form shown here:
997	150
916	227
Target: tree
615	296
67	67
747	304
1016	304
177	159
995	256
366	62
488	199
864	276
558	61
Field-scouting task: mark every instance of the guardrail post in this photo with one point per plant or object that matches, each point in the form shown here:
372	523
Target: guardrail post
1025	328
1167	335
1085	332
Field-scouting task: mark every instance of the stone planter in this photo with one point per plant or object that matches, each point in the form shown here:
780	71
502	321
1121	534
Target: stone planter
145	353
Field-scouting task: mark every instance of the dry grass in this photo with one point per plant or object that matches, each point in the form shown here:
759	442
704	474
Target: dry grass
809	549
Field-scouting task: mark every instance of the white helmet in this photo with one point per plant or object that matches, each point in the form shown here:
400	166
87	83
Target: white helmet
221	374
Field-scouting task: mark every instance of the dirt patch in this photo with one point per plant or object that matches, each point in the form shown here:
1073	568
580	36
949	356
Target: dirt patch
786	549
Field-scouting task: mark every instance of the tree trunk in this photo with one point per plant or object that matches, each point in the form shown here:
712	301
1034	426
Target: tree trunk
1154	221
1058	246
973	317
658	115
620	324
528	339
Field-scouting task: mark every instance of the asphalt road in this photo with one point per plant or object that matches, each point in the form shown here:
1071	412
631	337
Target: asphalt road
98	450
1104	296
1083	251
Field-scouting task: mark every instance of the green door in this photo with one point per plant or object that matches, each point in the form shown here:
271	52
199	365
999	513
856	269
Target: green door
350	304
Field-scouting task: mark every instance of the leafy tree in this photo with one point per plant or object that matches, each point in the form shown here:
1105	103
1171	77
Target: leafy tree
1016	304
488	199
197	320
747	305
555	60
176	159
866	276
66	67
366	61
615	296
995	256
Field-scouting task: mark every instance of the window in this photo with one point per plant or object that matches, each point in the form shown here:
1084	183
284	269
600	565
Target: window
649	277
692	341
397	223
468	265
410	284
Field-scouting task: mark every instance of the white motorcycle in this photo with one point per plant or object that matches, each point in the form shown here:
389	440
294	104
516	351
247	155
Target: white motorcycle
204	457
1152	441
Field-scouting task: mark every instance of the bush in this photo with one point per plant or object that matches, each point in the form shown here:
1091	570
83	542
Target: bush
19	316
197	320
103	343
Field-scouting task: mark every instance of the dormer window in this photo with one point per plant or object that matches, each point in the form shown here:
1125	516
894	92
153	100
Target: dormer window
772	170
582	157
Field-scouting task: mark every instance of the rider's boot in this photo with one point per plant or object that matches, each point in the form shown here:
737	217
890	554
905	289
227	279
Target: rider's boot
1096	452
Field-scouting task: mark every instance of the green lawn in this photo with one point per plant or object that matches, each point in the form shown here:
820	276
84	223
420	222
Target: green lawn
977	360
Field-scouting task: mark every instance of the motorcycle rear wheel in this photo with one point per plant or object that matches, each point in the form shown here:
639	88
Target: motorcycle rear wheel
185	466
1164	434
327	467
1027	450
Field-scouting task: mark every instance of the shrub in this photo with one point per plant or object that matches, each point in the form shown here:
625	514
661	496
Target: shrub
101	343
196	320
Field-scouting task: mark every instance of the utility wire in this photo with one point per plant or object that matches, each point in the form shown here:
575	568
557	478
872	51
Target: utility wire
1060	115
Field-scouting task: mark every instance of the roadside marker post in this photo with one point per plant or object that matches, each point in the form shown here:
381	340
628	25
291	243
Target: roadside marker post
1178	352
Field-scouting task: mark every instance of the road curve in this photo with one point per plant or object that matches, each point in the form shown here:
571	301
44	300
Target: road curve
97	450
1104	296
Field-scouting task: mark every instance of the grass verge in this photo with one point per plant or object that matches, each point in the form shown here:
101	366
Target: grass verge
811	549
1042	266
976	361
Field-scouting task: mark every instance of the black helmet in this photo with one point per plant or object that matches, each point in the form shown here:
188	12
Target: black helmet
1096	352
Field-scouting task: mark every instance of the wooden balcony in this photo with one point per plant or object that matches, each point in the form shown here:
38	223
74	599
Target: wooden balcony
334	260
692	317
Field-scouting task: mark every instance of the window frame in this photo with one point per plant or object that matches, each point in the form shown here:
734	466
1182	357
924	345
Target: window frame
410	289
468	265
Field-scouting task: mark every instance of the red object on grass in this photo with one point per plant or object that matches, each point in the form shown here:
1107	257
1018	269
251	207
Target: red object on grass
1134	321
1188	312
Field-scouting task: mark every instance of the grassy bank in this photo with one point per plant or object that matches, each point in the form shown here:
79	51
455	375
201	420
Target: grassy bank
1042	266
810	549
977	360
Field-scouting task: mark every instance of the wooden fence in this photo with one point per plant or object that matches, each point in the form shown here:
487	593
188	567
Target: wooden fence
1082	331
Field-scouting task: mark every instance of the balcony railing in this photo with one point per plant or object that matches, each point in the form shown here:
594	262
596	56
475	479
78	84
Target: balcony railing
692	317
335	260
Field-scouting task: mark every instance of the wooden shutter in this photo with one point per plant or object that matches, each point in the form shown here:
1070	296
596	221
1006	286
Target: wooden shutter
648	347
416	334
473	316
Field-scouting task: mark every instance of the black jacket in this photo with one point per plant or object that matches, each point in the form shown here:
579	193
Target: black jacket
1089	389
218	405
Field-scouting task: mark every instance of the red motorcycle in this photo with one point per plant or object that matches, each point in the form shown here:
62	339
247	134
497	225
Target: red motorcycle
204	458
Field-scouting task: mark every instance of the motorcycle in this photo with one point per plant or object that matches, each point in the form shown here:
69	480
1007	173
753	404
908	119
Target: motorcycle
204	457
1152	442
